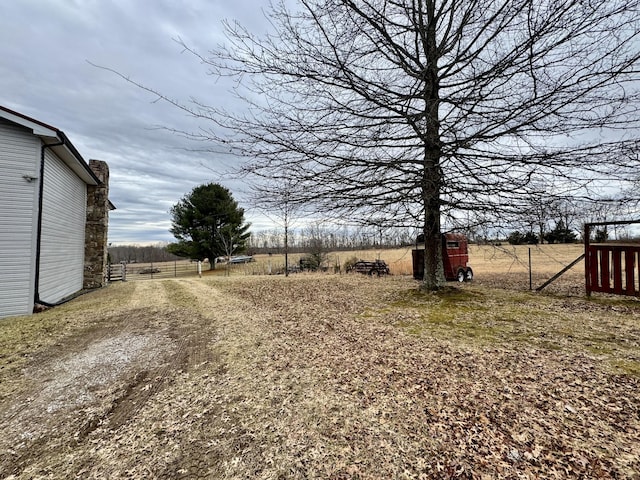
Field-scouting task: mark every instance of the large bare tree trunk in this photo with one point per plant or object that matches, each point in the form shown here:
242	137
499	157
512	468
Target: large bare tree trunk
433	268
432	174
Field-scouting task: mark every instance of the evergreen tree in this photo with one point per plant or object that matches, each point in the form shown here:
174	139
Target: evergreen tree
561	234
208	223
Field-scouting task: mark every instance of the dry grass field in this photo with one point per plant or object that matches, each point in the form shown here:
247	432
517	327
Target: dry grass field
327	376
505	266
486	259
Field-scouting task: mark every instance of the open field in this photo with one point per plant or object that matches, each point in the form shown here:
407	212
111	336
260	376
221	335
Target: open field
321	376
505	266
486	259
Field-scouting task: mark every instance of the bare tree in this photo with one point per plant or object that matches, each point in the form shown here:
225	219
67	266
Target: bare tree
417	111
316	240
231	240
275	199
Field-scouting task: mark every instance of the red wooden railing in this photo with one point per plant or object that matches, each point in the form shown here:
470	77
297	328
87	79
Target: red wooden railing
612	267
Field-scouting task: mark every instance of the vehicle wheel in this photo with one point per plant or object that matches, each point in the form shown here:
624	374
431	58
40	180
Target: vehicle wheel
461	275
469	276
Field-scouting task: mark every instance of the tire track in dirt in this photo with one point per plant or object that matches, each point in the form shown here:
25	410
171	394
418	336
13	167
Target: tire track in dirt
80	382
193	334
181	402
184	428
191	351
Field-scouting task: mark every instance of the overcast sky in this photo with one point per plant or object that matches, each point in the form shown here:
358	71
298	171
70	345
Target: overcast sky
45	50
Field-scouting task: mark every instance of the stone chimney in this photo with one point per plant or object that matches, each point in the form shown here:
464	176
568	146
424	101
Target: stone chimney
95	243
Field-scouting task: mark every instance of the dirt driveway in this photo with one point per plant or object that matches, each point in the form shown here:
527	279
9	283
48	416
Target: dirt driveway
319	377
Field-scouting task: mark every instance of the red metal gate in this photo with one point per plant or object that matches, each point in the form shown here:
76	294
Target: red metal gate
612	267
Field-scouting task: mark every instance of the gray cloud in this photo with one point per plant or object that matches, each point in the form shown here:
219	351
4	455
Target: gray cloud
46	47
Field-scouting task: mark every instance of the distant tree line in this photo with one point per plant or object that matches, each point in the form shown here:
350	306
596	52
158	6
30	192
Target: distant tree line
331	238
560	234
550	220
306	240
309	239
140	254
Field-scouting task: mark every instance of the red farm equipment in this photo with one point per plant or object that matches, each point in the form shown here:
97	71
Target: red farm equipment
455	258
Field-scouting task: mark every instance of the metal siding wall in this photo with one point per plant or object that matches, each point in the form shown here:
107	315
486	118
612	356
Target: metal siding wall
19	155
63	231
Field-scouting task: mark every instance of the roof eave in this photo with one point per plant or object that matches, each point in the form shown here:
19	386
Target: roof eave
51	135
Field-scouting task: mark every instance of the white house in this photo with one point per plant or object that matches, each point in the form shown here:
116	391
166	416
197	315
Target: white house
53	216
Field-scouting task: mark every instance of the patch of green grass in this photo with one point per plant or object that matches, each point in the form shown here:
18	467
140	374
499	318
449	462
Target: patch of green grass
599	349
602	338
482	316
628	367
448	296
178	294
504	319
19	336
549	345
615	301
450	313
493	316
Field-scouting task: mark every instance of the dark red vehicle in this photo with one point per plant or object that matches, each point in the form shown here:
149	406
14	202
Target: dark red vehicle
455	258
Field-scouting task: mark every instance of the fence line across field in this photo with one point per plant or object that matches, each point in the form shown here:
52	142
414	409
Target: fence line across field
509	261
184	268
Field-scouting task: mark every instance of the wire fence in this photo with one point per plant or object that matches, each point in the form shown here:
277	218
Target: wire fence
520	267
151	270
528	267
